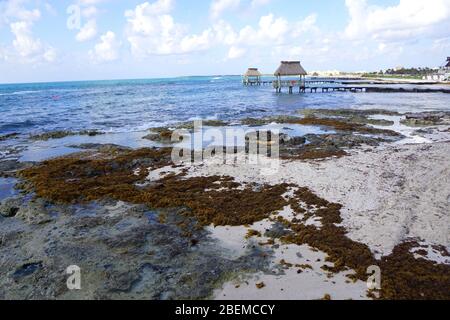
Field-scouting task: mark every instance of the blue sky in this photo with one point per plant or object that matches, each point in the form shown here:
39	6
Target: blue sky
43	40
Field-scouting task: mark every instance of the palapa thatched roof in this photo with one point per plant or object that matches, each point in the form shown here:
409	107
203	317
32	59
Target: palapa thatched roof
290	68
253	72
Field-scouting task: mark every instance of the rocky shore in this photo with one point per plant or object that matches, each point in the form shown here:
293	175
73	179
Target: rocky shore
140	227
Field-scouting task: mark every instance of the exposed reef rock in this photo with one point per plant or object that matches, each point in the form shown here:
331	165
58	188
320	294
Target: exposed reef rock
8	136
163	135
62	134
123	252
10	207
426	119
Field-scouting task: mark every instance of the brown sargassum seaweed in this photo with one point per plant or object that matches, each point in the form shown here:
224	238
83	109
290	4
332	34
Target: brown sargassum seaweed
218	200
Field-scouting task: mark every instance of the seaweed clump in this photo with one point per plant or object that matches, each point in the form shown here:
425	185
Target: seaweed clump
87	177
211	200
215	200
408	278
311	152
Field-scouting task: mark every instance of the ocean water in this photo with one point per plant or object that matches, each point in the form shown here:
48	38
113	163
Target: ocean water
137	105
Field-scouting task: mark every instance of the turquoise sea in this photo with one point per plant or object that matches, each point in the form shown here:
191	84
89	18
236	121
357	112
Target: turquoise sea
126	109
136	105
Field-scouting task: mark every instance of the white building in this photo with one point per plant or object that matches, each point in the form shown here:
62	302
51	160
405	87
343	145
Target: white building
443	74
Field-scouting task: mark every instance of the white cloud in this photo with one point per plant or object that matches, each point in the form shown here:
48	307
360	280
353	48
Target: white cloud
194	42
219	6
270	31
107	49
224	33
236	52
409	18
50	9
50	54
159	7
90	2
258	3
88	31
305	25
24	43
151	30
89	11
3	54
24	47
14	10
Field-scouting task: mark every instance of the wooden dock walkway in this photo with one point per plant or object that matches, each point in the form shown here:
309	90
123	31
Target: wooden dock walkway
324	86
322	89
271	82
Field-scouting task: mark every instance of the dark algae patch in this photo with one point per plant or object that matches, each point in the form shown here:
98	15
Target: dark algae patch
212	200
346	126
88	177
62	134
120	175
8	136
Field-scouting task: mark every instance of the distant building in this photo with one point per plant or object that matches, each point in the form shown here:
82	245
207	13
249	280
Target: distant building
442	74
326	73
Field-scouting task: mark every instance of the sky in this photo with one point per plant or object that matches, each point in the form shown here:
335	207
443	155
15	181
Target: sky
63	40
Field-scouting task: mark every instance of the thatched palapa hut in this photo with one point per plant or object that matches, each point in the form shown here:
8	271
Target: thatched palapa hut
290	69
252	76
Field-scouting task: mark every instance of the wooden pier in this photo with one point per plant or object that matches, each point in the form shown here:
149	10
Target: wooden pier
292	76
325	89
271	82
